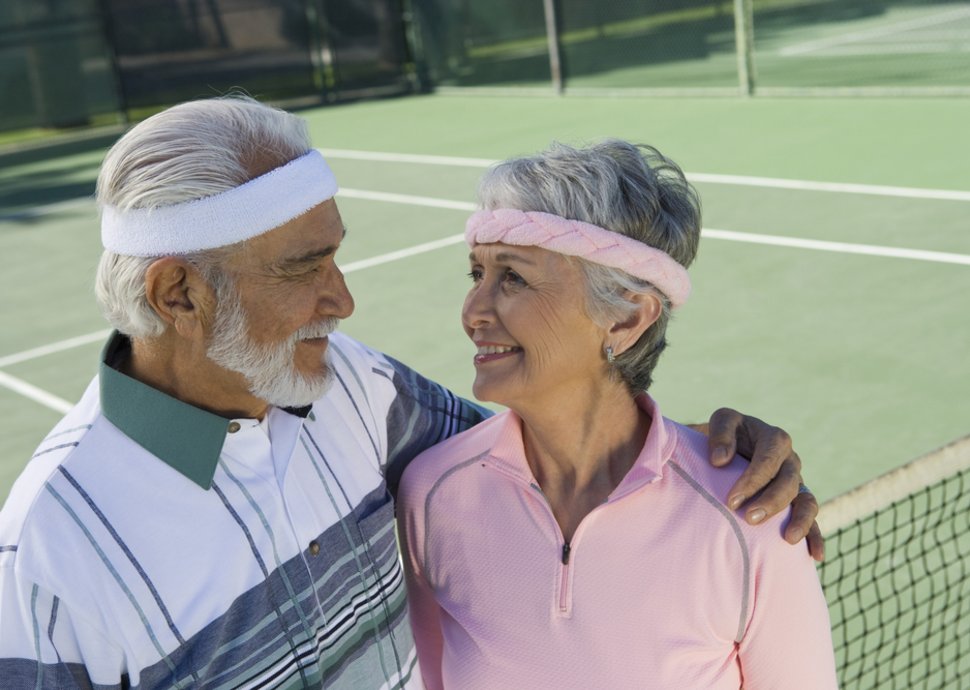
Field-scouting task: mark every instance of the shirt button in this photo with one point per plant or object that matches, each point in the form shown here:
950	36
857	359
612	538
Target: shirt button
314	547
234	427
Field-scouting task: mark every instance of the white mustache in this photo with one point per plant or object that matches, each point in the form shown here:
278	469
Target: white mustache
317	330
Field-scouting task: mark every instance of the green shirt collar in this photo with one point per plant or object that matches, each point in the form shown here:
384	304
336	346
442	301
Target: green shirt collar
187	438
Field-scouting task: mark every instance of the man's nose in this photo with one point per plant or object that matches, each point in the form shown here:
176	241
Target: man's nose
337	300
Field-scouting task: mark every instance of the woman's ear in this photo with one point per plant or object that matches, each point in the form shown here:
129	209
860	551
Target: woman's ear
624	334
177	292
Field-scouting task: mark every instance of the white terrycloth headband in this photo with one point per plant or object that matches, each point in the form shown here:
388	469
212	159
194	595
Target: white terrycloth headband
576	238
260	205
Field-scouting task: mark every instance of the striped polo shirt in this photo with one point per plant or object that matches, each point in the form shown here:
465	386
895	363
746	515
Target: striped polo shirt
151	544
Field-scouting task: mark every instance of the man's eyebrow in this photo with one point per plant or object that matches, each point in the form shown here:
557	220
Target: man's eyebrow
310	257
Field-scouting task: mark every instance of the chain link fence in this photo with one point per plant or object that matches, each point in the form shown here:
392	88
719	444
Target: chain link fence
80	62
878	47
65	63
54	68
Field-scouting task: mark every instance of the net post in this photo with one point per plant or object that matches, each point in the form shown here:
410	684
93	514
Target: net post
744	45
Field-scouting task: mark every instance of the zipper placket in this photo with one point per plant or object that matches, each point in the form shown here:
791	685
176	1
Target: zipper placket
565	554
565	558
564	578
562	601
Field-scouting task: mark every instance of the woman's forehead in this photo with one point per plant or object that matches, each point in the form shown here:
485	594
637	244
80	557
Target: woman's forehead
509	253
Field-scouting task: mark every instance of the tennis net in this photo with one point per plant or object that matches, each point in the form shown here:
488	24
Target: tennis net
896	575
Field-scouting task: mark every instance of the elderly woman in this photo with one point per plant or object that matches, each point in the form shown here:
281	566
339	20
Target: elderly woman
580	539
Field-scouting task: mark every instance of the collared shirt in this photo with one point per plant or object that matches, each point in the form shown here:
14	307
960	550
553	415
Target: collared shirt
661	586
152	544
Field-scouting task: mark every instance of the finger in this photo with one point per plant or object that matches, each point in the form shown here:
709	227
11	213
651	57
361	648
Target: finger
816	542
804	509
777	494
722	435
772	454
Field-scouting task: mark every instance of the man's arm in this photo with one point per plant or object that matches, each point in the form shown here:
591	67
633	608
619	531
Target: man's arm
422	414
772	479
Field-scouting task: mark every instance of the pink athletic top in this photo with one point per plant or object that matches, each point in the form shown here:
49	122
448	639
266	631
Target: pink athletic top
661	587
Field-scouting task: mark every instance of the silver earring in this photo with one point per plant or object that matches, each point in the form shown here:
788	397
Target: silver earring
610	357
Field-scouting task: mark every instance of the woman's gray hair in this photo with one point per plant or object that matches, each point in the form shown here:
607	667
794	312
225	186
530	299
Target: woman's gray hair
190	151
630	189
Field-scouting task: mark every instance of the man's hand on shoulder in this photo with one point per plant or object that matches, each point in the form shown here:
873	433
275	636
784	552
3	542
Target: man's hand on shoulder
772	480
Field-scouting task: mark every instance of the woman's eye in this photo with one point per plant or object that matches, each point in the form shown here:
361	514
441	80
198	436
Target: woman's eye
475	274
514	278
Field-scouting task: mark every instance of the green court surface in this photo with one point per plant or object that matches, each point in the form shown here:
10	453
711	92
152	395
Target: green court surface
839	311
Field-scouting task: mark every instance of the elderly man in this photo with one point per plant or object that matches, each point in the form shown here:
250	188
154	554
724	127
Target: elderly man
215	510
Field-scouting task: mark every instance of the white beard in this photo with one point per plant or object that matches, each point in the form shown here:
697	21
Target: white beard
269	369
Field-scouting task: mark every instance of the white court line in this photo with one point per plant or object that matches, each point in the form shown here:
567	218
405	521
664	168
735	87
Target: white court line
900	49
843	187
407	199
34	393
840	247
59	346
402	253
420	159
712	178
877	32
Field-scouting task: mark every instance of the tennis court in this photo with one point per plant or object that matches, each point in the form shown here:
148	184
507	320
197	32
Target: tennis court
912	29
831	291
916	45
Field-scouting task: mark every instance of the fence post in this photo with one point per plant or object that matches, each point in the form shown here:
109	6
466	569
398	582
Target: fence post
744	43
552	37
111	48
321	54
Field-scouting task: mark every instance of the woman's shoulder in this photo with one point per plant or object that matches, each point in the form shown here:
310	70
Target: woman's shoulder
430	465
689	462
691	454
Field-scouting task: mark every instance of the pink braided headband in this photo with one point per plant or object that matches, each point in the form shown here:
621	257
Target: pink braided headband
576	238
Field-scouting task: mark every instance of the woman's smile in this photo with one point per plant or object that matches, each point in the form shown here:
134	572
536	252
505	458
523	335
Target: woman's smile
488	352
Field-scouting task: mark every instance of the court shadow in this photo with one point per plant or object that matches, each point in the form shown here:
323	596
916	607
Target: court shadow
24	188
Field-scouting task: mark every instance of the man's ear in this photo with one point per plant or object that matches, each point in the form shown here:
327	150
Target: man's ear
177	292
624	334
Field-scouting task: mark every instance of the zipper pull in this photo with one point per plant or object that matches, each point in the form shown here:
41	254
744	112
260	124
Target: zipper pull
565	553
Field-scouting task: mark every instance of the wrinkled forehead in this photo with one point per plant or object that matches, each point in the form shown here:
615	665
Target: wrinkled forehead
309	237
539	258
499	251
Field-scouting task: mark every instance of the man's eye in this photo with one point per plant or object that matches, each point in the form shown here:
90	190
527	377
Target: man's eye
307	272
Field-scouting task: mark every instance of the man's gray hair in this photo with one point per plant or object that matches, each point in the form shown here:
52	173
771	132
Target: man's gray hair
187	152
630	189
